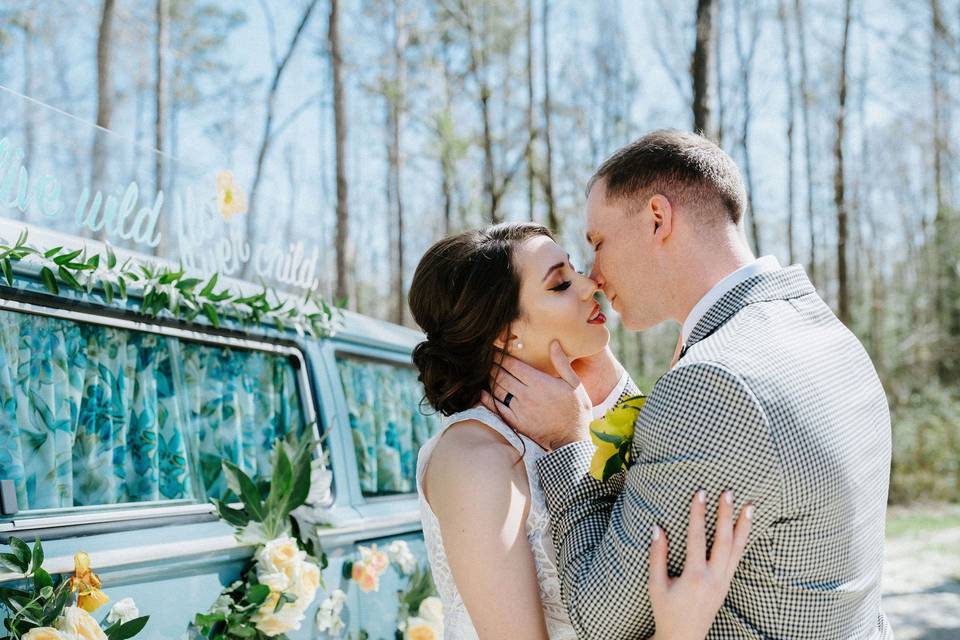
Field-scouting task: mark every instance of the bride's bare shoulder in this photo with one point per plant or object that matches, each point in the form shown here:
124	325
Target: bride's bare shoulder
469	452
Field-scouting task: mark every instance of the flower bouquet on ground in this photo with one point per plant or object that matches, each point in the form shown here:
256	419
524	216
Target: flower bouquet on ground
282	579
57	608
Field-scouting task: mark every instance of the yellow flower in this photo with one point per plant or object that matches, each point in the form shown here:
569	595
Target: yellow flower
230	197
77	623
420	629
42	633
611	433
86	584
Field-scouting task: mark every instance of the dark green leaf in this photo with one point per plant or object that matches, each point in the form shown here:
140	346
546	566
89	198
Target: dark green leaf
108	291
52	252
23	552
68	278
257	593
235	517
12	561
127	629
67	257
37	554
122	286
613	466
188	283
111	258
347	570
49	280
248	492
7	271
208	288
211	313
606	437
42	579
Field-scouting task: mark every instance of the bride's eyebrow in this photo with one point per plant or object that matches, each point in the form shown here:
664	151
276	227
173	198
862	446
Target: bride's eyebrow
553	268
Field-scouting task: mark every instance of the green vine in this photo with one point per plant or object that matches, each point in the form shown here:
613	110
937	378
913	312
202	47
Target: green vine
166	290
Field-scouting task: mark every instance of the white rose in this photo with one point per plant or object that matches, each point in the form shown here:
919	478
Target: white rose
431	609
278	562
399	552
43	633
76	622
271	623
307	583
123	610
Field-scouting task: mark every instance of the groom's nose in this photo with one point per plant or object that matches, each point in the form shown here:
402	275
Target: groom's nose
596	275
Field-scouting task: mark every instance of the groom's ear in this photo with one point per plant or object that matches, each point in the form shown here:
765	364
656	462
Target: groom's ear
661	211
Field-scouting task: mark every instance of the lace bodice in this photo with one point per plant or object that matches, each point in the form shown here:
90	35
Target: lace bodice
457	623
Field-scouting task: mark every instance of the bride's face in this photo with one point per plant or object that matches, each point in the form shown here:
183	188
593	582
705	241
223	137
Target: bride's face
556	303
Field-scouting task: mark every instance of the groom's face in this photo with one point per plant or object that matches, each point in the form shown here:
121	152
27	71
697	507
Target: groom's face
625	262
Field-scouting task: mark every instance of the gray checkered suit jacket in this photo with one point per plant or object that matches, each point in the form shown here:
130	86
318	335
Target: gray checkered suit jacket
778	401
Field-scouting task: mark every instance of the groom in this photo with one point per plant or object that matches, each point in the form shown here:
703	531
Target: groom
772	397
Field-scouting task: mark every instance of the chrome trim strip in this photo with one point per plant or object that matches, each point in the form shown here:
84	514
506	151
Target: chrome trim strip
113	514
167	551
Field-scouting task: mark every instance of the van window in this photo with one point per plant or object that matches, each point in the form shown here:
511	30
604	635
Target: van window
387	425
99	415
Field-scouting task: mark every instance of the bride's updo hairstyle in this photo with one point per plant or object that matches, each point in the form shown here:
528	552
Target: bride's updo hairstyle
464	295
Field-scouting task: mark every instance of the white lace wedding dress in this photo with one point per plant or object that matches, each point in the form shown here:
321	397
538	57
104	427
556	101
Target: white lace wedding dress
456	620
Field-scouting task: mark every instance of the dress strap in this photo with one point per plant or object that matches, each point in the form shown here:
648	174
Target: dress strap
492	420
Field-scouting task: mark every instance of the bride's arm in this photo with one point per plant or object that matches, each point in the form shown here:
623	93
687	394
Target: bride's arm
478	489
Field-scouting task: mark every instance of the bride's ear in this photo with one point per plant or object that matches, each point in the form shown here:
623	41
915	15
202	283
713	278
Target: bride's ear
505	338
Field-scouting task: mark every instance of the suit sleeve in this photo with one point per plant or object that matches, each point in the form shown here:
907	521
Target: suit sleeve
702	428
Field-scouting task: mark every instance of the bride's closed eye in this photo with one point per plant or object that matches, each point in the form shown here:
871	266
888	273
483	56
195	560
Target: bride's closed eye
563	286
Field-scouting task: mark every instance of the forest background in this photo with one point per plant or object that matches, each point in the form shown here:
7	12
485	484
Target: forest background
371	128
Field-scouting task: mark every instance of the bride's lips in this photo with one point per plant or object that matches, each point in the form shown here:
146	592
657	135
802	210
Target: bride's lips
596	316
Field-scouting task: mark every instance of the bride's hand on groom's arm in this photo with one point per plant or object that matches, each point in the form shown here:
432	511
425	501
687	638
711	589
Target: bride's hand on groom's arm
550	411
684	607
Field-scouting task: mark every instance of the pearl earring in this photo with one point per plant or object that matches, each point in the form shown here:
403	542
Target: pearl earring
519	345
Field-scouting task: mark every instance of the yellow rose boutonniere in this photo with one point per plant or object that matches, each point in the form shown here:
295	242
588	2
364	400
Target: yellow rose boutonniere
612	436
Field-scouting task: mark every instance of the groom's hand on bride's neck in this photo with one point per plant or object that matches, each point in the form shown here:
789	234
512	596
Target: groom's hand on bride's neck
551	411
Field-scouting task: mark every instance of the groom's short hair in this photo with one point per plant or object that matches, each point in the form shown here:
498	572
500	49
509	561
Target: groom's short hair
688	169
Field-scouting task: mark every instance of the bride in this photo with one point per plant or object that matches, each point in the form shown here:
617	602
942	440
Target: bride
511	288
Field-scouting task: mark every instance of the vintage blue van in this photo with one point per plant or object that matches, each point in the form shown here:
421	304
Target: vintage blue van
113	426
115	415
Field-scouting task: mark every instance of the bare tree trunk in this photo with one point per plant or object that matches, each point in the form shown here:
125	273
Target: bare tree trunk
531	126
701	69
104	96
947	281
791	122
745	59
553	221
160	93
394	104
447	168
265	139
838	184
805	100
718	73
340	137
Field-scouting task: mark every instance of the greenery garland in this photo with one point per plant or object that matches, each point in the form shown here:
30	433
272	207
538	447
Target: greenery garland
166	290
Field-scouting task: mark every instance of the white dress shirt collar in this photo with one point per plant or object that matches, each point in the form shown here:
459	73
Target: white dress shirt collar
761	265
